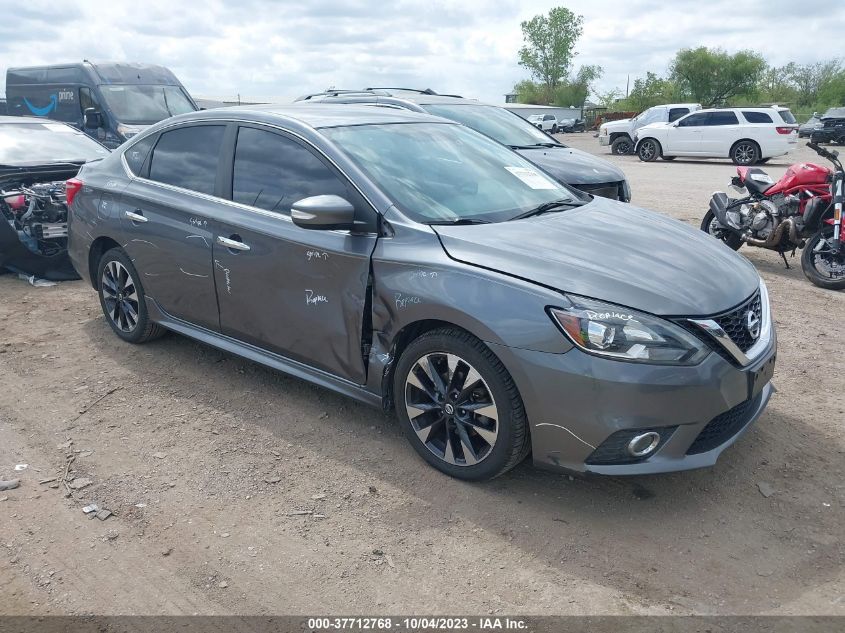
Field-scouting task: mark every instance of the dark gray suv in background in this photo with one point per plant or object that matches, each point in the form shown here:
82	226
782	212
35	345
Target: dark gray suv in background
414	263
570	166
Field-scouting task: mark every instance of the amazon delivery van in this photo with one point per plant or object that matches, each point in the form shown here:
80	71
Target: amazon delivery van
109	101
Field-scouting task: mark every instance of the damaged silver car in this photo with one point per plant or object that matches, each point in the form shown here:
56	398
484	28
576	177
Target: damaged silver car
412	263
37	157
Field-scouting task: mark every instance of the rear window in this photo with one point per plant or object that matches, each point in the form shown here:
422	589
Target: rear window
187	157
787	116
758	117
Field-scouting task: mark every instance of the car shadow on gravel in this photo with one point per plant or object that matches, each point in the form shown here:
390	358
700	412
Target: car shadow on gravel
752	529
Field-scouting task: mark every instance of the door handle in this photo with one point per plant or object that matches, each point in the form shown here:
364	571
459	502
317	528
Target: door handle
136	216
235	245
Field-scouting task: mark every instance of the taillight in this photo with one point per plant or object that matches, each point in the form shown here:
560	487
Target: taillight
784	130
72	188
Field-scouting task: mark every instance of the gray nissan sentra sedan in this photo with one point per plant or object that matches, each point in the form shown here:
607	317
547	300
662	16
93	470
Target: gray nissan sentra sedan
410	262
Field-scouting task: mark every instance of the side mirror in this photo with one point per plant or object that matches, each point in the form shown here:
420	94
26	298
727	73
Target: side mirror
92	119
323	213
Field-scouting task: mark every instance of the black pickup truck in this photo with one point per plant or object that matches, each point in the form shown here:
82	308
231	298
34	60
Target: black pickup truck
833	127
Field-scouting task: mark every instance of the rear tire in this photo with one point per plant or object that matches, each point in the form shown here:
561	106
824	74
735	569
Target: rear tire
728	238
452	392
823	269
648	150
123	300
745	153
622	146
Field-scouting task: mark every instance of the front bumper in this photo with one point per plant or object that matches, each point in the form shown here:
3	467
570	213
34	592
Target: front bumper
576	401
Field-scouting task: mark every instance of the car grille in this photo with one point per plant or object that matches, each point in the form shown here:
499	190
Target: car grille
734	325
610	190
723	427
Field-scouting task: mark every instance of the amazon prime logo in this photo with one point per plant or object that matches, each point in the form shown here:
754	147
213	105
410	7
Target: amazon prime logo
752	323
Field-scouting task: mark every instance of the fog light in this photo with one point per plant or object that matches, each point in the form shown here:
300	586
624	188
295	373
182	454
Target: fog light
643	444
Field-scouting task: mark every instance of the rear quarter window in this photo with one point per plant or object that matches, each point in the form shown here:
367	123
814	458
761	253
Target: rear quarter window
136	155
787	116
757	117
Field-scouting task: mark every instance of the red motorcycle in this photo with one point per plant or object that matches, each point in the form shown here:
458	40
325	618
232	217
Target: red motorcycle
783	215
770	214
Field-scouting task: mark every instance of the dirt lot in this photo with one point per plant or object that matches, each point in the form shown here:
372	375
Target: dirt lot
206	461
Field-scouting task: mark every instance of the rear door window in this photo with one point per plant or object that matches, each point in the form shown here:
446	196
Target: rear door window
272	171
187	157
757	117
722	118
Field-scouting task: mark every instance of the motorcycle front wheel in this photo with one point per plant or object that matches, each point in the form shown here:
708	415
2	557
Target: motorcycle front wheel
821	266
711	226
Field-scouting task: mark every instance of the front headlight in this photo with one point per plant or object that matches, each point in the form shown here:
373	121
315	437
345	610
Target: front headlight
620	333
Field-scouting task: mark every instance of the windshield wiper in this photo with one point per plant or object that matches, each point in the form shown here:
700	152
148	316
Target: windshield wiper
546	207
536	145
458	222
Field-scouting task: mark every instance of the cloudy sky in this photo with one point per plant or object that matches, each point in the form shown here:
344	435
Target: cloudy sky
281	48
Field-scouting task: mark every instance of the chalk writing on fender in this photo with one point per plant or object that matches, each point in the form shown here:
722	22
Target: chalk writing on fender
316	255
403	301
311	298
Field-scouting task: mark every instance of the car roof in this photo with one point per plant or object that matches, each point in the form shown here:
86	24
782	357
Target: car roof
315	115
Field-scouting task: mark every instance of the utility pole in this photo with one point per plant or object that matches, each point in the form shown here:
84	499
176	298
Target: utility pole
627	86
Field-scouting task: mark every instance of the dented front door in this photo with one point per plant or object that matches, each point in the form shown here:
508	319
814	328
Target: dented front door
297	292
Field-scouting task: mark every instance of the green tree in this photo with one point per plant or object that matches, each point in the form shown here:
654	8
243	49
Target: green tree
649	91
810	78
529	92
575	90
712	76
549	45
608	99
776	84
831	93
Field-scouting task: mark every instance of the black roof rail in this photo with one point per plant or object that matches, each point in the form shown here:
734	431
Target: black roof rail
327	93
427	91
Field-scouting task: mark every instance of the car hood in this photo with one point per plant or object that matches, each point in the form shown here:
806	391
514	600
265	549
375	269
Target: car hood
617	124
572	166
614	252
654	126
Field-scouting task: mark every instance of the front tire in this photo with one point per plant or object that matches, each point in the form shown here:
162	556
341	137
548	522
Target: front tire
648	150
745	153
622	146
710	225
122	298
555	129
459	406
820	265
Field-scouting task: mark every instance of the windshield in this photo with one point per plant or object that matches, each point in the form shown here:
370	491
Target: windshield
41	143
436	172
497	123
144	105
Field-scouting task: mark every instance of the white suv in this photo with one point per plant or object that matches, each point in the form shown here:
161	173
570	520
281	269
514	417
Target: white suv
745	135
546	122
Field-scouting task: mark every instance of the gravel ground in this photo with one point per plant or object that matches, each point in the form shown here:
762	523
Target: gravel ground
239	490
